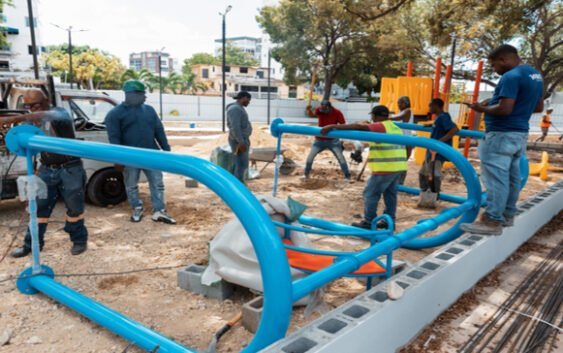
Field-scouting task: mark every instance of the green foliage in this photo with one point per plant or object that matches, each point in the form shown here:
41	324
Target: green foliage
234	56
173	83
3	38
91	68
76	49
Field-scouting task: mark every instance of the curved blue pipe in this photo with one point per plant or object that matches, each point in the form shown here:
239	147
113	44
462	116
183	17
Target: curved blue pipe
478	135
471	179
267	244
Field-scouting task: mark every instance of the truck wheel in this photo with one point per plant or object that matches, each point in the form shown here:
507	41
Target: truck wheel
106	187
288	166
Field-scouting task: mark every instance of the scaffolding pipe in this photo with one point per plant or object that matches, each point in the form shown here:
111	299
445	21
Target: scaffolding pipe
474	99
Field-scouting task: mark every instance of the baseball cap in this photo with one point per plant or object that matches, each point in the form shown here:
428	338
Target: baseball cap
380	110
242	94
133	86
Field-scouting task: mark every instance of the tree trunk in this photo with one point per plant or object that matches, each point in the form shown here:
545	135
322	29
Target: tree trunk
328	85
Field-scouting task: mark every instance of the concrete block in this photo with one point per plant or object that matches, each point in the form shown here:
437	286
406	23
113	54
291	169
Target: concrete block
191	183
189	278
252	313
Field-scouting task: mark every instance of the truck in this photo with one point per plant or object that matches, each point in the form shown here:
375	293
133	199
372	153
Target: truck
88	109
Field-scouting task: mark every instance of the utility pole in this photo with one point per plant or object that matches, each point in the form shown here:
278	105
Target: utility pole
160	80
69	30
223	84
33	42
453	57
269	82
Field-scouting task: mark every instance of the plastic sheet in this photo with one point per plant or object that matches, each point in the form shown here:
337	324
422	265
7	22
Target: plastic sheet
31	187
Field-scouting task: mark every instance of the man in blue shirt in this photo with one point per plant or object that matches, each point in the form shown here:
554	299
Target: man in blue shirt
430	175
519	93
135	124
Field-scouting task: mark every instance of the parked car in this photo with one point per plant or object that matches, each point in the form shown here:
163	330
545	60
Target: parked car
88	109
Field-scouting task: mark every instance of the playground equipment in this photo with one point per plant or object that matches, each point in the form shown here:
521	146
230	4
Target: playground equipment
279	291
541	169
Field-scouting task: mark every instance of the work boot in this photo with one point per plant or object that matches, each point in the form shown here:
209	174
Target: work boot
21	252
363	224
137	214
485	226
78	249
162	216
508	222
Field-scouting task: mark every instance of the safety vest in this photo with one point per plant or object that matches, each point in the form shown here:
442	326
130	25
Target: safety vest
385	157
545	121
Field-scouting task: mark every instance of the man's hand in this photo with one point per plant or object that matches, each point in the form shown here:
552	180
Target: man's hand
325	130
241	148
478	107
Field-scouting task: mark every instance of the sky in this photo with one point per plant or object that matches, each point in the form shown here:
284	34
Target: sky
121	27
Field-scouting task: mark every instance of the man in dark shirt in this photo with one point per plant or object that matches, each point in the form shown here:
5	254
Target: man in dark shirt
430	175
327	115
519	93
135	124
240	130
64	176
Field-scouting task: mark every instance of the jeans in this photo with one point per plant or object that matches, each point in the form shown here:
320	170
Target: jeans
500	154
335	147
381	184
156	186
67	182
242	160
428	169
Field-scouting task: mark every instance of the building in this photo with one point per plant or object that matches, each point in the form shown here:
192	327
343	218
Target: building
149	60
257	47
244	78
16	56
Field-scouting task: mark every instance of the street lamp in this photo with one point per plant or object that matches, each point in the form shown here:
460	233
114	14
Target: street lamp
70	30
33	42
160	79
223	88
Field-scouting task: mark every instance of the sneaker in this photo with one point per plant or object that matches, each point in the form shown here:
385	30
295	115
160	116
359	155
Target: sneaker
162	216
137	214
304	177
508	222
78	249
348	180
485	226
363	224
20	252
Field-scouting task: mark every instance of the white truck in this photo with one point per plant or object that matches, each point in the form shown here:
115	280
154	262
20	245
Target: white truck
88	109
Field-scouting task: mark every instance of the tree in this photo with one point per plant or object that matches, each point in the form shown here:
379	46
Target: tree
145	76
92	68
323	35
234	56
3	38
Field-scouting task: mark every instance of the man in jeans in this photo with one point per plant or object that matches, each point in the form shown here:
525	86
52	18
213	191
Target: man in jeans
64	177
519	93
135	124
240	130
387	163
327	115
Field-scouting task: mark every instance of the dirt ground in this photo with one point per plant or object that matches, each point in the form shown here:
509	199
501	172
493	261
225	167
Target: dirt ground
36	324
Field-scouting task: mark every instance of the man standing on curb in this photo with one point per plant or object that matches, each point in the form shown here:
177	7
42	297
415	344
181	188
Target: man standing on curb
240	130
519	93
135	124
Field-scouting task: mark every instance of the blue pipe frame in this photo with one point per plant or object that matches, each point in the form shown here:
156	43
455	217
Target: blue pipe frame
279	291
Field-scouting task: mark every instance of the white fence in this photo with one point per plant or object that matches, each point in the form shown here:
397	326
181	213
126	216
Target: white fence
199	108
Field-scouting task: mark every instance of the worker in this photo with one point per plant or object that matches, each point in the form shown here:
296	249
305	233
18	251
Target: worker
518	94
133	123
430	175
545	124
64	176
386	161
327	115
405	115
240	130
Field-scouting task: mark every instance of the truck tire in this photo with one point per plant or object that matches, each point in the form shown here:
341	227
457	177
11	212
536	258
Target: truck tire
106	188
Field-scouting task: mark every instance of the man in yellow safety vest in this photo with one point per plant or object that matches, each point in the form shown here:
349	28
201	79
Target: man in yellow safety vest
386	161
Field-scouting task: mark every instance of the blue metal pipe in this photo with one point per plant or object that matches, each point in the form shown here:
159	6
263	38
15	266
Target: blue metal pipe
263	235
33	227
142	336
468	173
478	135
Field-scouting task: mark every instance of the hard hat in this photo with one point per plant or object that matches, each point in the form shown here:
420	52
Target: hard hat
133	86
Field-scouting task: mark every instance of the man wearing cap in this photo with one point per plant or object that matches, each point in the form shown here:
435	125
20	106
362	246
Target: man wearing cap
387	163
63	175
135	124
327	115
240	130
545	124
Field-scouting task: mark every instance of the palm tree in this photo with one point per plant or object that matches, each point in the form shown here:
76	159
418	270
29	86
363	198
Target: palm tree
145	76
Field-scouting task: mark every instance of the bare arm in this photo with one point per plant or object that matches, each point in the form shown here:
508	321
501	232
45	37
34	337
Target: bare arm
540	106
403	116
503	108
451	133
325	130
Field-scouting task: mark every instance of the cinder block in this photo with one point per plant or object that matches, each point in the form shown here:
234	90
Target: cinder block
252	313
189	278
191	183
